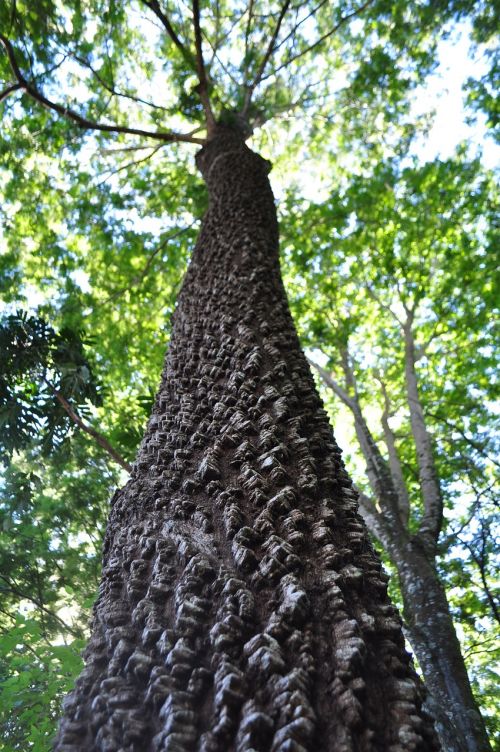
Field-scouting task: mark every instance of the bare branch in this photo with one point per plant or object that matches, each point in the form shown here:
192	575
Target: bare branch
121	149
142	147
377	468
250	88
133	163
247	37
14	588
215	56
202	73
472	651
321	39
479	448
137	280
374	520
299	23
81	121
165	21
217	34
9	90
333	385
480	561
109	87
384	306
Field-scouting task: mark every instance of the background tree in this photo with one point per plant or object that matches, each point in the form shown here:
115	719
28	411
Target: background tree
67	223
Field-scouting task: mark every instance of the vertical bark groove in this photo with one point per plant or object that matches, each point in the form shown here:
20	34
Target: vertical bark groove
242	606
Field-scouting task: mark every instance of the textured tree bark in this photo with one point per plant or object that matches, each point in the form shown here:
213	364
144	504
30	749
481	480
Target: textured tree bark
433	638
242	606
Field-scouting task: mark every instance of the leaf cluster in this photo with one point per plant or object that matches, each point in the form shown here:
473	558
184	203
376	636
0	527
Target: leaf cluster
39	366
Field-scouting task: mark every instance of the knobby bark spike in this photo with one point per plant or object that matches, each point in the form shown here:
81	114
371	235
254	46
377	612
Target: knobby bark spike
242	606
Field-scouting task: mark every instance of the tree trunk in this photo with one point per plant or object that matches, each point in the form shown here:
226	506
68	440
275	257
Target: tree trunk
432	519
433	638
429	623
241	605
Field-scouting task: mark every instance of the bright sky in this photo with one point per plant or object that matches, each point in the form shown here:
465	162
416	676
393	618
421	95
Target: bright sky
444	93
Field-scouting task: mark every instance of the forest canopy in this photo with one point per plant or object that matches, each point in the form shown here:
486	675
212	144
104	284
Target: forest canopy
387	253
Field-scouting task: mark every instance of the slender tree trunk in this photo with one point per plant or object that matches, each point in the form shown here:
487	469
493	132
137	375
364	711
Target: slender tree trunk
241	606
429	623
433	638
432	519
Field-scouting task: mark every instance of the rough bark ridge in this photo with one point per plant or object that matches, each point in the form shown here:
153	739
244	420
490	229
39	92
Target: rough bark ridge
242	607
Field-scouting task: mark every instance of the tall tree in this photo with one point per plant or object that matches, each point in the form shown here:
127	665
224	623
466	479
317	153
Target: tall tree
252	487
241	603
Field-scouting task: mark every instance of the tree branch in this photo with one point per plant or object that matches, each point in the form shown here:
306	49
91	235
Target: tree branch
81	121
479	560
377	468
202	73
137	280
165	21
109	87
474	444
373	519
14	588
133	163
217	28
9	90
299	23
215	56
384	306
250	88
333	385
6	632
247	39
99	438
320	40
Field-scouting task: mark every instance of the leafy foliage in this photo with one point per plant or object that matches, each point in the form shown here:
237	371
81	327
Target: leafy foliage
38	366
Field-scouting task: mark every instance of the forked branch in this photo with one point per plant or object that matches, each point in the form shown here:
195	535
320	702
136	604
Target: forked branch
112	90
165	21
377	468
432	520
9	90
